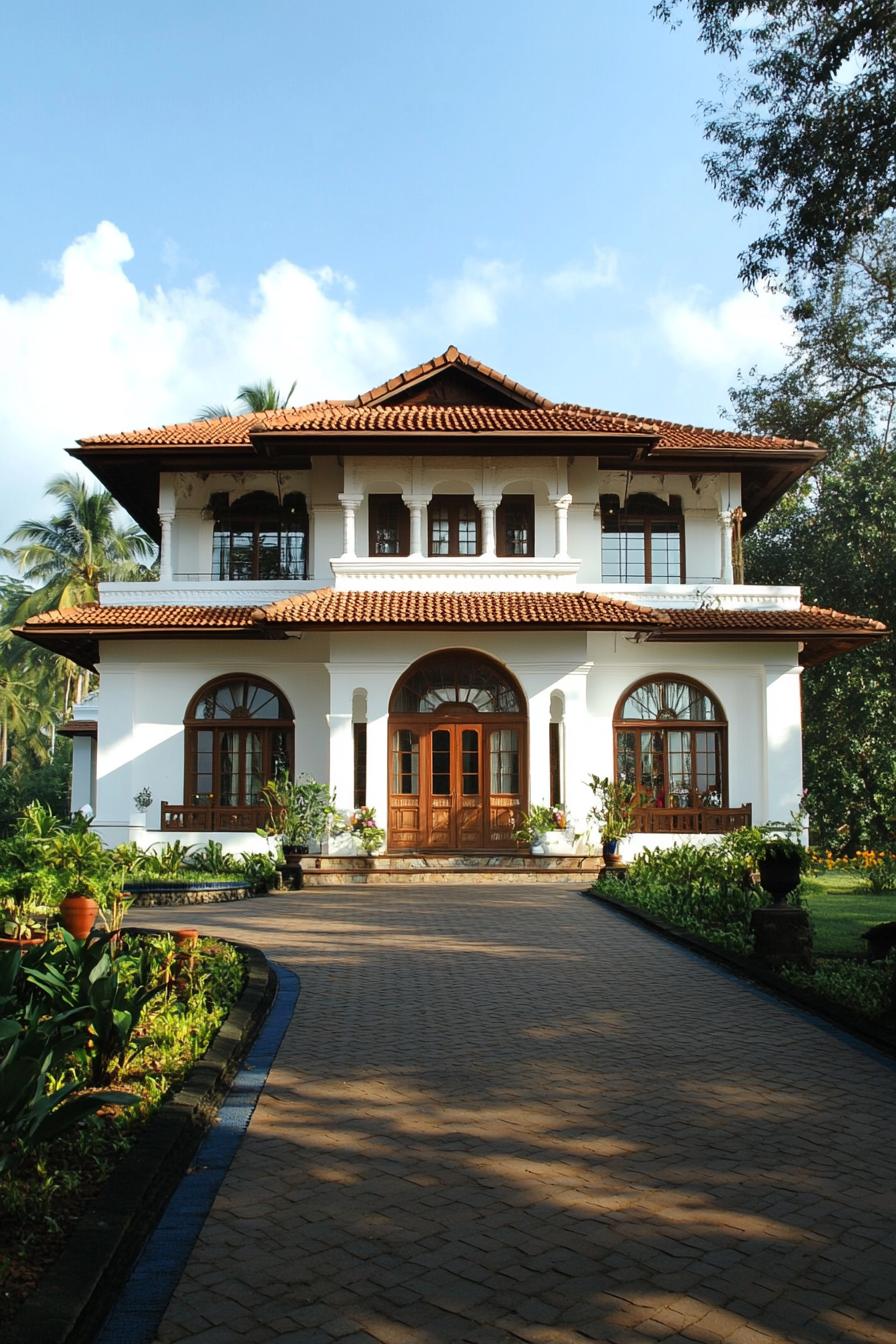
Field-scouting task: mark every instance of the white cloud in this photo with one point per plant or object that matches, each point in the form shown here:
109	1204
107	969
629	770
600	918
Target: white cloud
600	273
97	354
472	299
748	328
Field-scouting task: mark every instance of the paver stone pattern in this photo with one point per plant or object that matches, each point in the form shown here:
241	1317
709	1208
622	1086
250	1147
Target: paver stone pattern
506	1114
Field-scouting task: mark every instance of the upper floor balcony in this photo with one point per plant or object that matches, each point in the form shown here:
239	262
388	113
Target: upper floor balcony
253	549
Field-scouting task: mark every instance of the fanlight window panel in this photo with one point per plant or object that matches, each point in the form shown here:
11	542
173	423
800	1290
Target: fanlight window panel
671	744
669	699
478	685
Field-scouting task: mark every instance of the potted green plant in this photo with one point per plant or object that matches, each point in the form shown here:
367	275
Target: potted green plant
364	831
83	870
538	822
299	811
781	862
613	813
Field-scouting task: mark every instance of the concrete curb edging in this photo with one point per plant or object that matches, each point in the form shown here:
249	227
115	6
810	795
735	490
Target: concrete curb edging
863	1028
76	1292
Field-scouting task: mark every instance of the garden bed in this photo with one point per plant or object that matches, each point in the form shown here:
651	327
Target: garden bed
76	1250
187	892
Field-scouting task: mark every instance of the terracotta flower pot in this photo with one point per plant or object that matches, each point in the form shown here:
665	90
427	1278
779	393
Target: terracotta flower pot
77	914
23	942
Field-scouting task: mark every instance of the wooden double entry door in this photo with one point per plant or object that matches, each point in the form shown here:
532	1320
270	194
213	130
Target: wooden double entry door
455	784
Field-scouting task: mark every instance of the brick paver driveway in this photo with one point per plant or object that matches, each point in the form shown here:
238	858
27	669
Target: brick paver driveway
508	1113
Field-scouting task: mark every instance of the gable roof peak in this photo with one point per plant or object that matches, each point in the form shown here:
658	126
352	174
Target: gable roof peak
486	384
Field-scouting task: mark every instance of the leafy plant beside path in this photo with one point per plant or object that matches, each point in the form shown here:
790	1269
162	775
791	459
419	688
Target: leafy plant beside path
73	1017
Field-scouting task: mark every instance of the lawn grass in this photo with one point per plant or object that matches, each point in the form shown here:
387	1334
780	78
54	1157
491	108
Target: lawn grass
842	908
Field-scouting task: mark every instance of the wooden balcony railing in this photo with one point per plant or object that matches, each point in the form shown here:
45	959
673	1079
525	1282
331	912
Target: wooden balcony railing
692	820
208	817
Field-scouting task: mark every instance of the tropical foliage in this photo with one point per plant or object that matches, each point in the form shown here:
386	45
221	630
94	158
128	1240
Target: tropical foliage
251	397
805	133
73	1017
61	562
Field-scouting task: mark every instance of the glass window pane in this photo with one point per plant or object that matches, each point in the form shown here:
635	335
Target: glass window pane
439	530
253	768
405	762
242	547
504	761
665	554
441	763
470	763
678	752
468	530
229	770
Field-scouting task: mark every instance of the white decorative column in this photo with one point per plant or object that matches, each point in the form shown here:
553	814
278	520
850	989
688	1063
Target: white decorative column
339	722
350	505
726	527
415	506
166	518
487	506
783	741
561	544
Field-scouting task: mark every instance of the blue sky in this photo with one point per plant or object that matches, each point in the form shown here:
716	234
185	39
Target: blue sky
199	195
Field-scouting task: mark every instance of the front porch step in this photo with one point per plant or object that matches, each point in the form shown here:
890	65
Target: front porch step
414	869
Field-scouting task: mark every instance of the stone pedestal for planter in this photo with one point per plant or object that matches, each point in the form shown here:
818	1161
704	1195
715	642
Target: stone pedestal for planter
782	934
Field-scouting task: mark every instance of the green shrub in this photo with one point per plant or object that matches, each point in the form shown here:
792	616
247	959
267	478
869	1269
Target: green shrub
867	989
705	889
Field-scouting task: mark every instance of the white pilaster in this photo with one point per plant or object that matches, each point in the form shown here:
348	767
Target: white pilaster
166	518
561	543
416	504
350	505
339	722
783	731
539	747
487	506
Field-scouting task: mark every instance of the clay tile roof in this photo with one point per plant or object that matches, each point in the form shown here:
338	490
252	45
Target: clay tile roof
456	357
94	616
803	621
327	606
324	417
365	415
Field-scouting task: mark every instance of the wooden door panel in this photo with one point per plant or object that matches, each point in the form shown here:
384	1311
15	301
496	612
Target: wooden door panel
504	812
455	786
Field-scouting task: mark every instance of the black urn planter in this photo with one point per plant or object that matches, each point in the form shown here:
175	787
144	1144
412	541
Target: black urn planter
780	876
293	877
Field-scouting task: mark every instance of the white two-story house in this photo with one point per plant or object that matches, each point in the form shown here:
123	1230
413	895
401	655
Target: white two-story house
450	598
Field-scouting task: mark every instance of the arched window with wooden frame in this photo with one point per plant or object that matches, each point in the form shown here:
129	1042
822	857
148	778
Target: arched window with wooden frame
642	539
238	734
671	740
260	537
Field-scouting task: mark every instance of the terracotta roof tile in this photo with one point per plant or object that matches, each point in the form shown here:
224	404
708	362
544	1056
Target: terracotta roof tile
804	621
364	415
95	616
328	606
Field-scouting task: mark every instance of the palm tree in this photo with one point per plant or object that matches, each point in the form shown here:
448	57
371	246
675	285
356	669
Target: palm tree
254	397
78	548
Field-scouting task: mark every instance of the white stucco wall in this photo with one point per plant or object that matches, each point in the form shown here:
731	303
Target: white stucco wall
147	686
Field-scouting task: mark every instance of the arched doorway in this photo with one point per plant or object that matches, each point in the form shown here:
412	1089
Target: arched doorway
457	755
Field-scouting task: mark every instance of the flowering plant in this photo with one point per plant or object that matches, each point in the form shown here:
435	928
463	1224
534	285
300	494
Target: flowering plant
362	825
